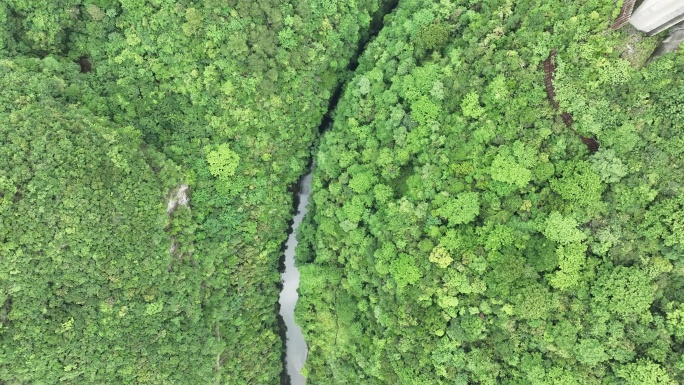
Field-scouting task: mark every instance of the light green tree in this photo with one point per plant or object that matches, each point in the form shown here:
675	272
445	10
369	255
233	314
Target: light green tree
504	168
462	209
223	161
643	372
404	270
562	229
471	106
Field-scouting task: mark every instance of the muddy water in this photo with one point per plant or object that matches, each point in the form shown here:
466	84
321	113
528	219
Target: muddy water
296	350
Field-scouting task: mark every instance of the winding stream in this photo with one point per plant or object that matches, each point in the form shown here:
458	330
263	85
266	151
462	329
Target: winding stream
296	350
295	346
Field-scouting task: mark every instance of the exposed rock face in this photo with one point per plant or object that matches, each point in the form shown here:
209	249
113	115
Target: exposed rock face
179	196
672	42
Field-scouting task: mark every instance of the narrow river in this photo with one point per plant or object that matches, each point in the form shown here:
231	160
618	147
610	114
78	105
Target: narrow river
296	350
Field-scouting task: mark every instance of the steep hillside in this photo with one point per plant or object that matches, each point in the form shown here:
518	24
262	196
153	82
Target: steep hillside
91	286
473	223
231	91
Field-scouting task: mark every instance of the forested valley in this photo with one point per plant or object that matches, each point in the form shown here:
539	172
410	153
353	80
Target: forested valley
146	151
498	200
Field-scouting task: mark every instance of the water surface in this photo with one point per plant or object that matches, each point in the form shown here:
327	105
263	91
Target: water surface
296	350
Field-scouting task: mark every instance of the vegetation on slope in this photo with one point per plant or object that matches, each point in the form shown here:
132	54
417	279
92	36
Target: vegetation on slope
230	91
462	233
462	230
90	288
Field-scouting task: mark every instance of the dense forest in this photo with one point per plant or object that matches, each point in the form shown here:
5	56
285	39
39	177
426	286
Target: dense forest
146	150
499	199
474	225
